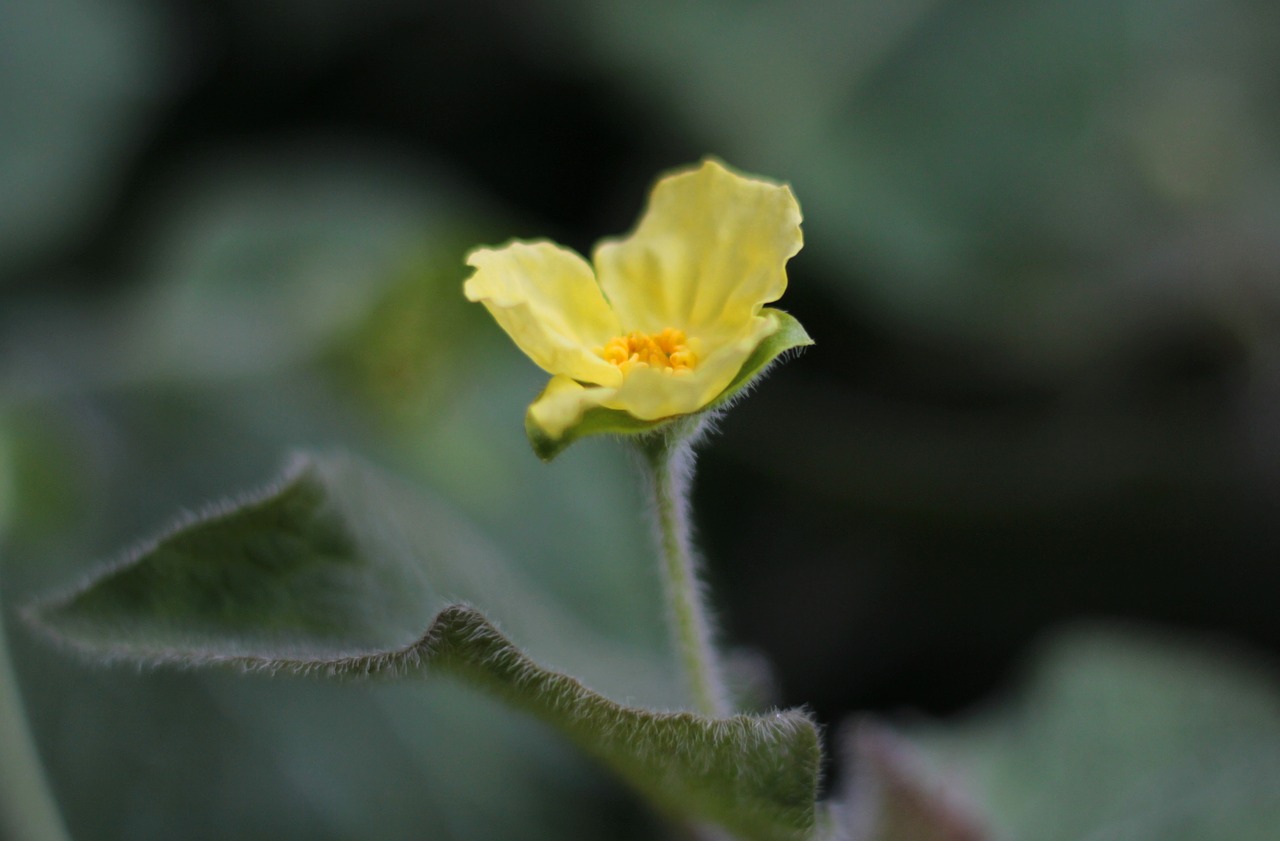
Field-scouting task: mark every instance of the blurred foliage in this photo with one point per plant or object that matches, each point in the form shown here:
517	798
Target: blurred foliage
982	167
78	81
1040	268
1120	734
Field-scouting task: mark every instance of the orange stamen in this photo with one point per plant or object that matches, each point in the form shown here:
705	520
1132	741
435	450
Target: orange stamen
668	351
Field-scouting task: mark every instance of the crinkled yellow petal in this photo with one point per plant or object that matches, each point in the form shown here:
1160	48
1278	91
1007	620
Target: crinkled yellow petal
651	393
710	250
548	301
563	403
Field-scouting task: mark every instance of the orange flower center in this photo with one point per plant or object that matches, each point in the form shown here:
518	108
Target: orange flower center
667	351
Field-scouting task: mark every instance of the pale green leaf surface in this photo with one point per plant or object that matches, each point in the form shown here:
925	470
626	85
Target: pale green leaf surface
80	82
7	482
258	264
1121	737
187	383
27	809
789	336
890	794
152	754
338	570
971	170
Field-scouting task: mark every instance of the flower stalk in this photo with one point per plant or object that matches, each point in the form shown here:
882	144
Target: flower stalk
668	463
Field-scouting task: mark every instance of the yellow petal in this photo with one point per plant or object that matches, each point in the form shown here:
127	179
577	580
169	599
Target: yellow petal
548	301
651	393
563	403
710	250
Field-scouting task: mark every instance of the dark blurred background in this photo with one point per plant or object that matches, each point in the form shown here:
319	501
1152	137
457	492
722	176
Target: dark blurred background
1042	268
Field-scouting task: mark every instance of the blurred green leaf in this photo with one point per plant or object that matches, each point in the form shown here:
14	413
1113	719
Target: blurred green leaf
28	811
8	496
256	262
890	795
78	86
997	170
1126	737
337	570
913	132
415	346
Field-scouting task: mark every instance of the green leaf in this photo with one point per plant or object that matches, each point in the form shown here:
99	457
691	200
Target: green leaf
891	795
1126	736
79	89
338	570
789	336
755	775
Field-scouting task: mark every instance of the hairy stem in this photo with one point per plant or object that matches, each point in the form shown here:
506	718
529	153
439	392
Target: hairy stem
668	461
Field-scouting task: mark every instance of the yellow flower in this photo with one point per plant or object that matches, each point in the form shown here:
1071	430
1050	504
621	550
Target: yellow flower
671	320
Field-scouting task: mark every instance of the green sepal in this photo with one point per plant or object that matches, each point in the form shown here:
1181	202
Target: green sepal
337	570
789	336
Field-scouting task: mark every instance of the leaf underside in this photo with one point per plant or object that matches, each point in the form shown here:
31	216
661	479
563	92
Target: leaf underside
789	336
332	571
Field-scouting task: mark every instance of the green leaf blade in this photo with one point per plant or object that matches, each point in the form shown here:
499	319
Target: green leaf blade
277	575
334	570
755	775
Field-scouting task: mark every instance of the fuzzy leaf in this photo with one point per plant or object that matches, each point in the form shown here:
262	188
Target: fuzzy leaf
789	336
337	570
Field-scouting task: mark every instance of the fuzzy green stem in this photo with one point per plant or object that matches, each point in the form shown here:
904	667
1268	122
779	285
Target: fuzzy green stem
668	460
